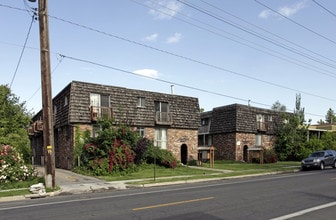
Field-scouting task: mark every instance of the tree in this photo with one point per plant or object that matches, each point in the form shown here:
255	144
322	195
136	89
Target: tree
277	106
330	118
14	121
292	134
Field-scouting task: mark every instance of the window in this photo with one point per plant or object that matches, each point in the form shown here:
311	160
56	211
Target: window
161	138
65	101
258	140
97	100
99	105
141	102
95	130
162	115
260	118
205	121
161	106
142	131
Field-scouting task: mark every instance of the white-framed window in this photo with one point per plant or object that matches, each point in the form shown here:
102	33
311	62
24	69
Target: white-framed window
161	138
141	131
258	140
141	102
100	104
260	118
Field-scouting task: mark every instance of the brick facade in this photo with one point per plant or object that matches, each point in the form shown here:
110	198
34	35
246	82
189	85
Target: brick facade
71	107
240	132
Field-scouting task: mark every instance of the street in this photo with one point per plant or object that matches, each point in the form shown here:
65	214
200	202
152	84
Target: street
301	195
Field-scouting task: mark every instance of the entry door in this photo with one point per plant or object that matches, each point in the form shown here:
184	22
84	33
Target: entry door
184	154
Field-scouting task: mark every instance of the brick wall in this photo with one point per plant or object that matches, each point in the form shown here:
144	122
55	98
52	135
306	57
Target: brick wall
176	138
230	146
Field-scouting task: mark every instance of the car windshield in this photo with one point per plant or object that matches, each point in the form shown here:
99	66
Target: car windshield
317	154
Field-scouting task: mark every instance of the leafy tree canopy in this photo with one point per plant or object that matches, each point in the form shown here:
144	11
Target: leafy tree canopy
14	120
277	106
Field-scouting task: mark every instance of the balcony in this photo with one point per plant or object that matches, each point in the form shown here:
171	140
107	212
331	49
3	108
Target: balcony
261	126
204	129
97	112
163	118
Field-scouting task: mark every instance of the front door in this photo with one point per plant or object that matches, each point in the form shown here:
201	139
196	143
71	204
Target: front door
184	154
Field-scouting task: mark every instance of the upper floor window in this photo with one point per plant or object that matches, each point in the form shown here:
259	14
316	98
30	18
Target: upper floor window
141	102
98	100
260	118
205	121
65	101
161	106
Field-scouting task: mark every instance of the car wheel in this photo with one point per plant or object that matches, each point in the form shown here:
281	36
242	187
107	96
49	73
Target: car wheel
321	166
334	166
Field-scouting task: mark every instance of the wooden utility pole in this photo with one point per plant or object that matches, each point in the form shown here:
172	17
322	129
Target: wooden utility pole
47	110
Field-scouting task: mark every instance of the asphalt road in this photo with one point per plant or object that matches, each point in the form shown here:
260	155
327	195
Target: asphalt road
302	195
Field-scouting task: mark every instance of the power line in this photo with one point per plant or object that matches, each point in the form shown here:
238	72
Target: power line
269	32
188	58
319	4
168	82
183	57
267	50
23	49
176	83
60	59
297	23
253	33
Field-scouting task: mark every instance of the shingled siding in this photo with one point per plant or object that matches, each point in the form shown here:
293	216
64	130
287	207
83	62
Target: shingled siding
242	118
185	110
235	126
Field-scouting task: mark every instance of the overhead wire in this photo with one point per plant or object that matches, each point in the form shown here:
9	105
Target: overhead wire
323	7
22	51
176	55
190	59
269	32
60	59
253	33
267	50
297	23
166	81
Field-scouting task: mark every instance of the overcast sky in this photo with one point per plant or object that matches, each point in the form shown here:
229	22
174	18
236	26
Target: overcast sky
220	51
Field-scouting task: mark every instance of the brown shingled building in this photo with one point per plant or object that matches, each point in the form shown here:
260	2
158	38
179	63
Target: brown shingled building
171	121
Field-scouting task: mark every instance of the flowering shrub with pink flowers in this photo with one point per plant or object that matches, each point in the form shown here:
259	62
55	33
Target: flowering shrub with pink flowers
12	166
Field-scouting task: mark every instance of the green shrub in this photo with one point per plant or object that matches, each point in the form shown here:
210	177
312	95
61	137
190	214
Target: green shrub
162	157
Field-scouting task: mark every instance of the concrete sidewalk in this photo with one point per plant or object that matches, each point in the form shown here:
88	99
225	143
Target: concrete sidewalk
74	183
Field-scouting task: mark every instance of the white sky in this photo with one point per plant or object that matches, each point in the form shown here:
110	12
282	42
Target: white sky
237	50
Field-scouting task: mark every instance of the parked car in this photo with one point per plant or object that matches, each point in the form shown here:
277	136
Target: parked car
320	159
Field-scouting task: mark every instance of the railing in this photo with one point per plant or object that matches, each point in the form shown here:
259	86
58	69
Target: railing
204	129
261	126
100	112
163	118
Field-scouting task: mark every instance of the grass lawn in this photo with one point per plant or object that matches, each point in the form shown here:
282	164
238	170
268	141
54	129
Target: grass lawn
221	169
241	166
146	172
